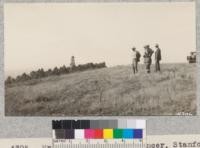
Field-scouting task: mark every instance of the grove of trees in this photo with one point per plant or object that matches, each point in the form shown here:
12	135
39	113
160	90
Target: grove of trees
41	73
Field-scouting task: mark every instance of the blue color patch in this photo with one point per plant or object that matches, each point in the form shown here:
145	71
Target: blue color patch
138	133
128	133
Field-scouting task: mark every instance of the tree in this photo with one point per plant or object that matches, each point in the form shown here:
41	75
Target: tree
33	75
9	80
63	70
24	77
48	72
41	73
55	71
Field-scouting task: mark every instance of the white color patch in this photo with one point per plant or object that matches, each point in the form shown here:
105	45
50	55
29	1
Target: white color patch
141	124
79	134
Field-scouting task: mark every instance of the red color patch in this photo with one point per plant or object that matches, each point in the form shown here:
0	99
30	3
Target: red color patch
98	134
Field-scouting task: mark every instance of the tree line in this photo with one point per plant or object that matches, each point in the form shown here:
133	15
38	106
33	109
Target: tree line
41	73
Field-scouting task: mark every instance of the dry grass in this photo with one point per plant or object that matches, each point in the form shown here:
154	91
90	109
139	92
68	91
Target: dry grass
109	91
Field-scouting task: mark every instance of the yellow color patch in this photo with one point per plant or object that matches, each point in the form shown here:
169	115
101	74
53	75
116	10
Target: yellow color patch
108	133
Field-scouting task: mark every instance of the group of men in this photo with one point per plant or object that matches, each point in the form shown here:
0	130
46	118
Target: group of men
147	58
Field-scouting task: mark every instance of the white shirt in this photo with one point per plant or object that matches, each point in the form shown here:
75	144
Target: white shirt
134	54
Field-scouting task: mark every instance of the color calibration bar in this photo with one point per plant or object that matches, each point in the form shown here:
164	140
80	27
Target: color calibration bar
99	129
99	134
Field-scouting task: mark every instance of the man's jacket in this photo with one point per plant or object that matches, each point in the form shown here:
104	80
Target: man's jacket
158	55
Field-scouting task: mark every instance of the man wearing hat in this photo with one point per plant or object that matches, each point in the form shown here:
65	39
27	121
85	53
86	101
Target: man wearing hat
147	57
157	58
135	59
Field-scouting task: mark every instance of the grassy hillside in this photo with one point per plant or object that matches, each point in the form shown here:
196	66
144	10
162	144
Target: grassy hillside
107	91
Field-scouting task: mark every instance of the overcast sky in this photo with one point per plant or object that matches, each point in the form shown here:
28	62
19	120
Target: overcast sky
47	35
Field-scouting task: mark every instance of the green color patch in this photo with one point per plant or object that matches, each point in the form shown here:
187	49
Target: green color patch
118	133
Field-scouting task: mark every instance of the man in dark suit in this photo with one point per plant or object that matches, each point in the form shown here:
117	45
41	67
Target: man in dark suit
147	57
157	58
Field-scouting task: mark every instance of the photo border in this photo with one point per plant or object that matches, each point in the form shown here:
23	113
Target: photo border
32	127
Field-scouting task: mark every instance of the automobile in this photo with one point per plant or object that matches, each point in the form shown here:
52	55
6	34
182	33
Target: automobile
192	57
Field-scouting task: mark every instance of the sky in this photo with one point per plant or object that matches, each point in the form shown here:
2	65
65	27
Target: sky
40	35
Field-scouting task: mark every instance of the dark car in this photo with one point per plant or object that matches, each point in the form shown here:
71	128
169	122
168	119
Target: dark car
192	57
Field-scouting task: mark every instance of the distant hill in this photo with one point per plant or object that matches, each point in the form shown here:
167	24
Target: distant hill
107	91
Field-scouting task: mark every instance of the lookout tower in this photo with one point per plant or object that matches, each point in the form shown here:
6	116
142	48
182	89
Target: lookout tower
72	62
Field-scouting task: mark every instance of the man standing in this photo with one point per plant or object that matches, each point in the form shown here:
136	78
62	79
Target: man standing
135	59
147	57
157	58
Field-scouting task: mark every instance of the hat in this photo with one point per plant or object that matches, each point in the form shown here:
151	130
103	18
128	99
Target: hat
156	45
146	46
133	47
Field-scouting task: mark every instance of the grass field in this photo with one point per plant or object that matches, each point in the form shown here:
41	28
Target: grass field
108	91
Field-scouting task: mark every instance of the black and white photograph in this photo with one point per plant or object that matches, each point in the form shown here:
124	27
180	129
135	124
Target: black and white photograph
100	59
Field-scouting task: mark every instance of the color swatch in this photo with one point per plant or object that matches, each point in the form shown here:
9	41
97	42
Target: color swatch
108	133
98	129
118	133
